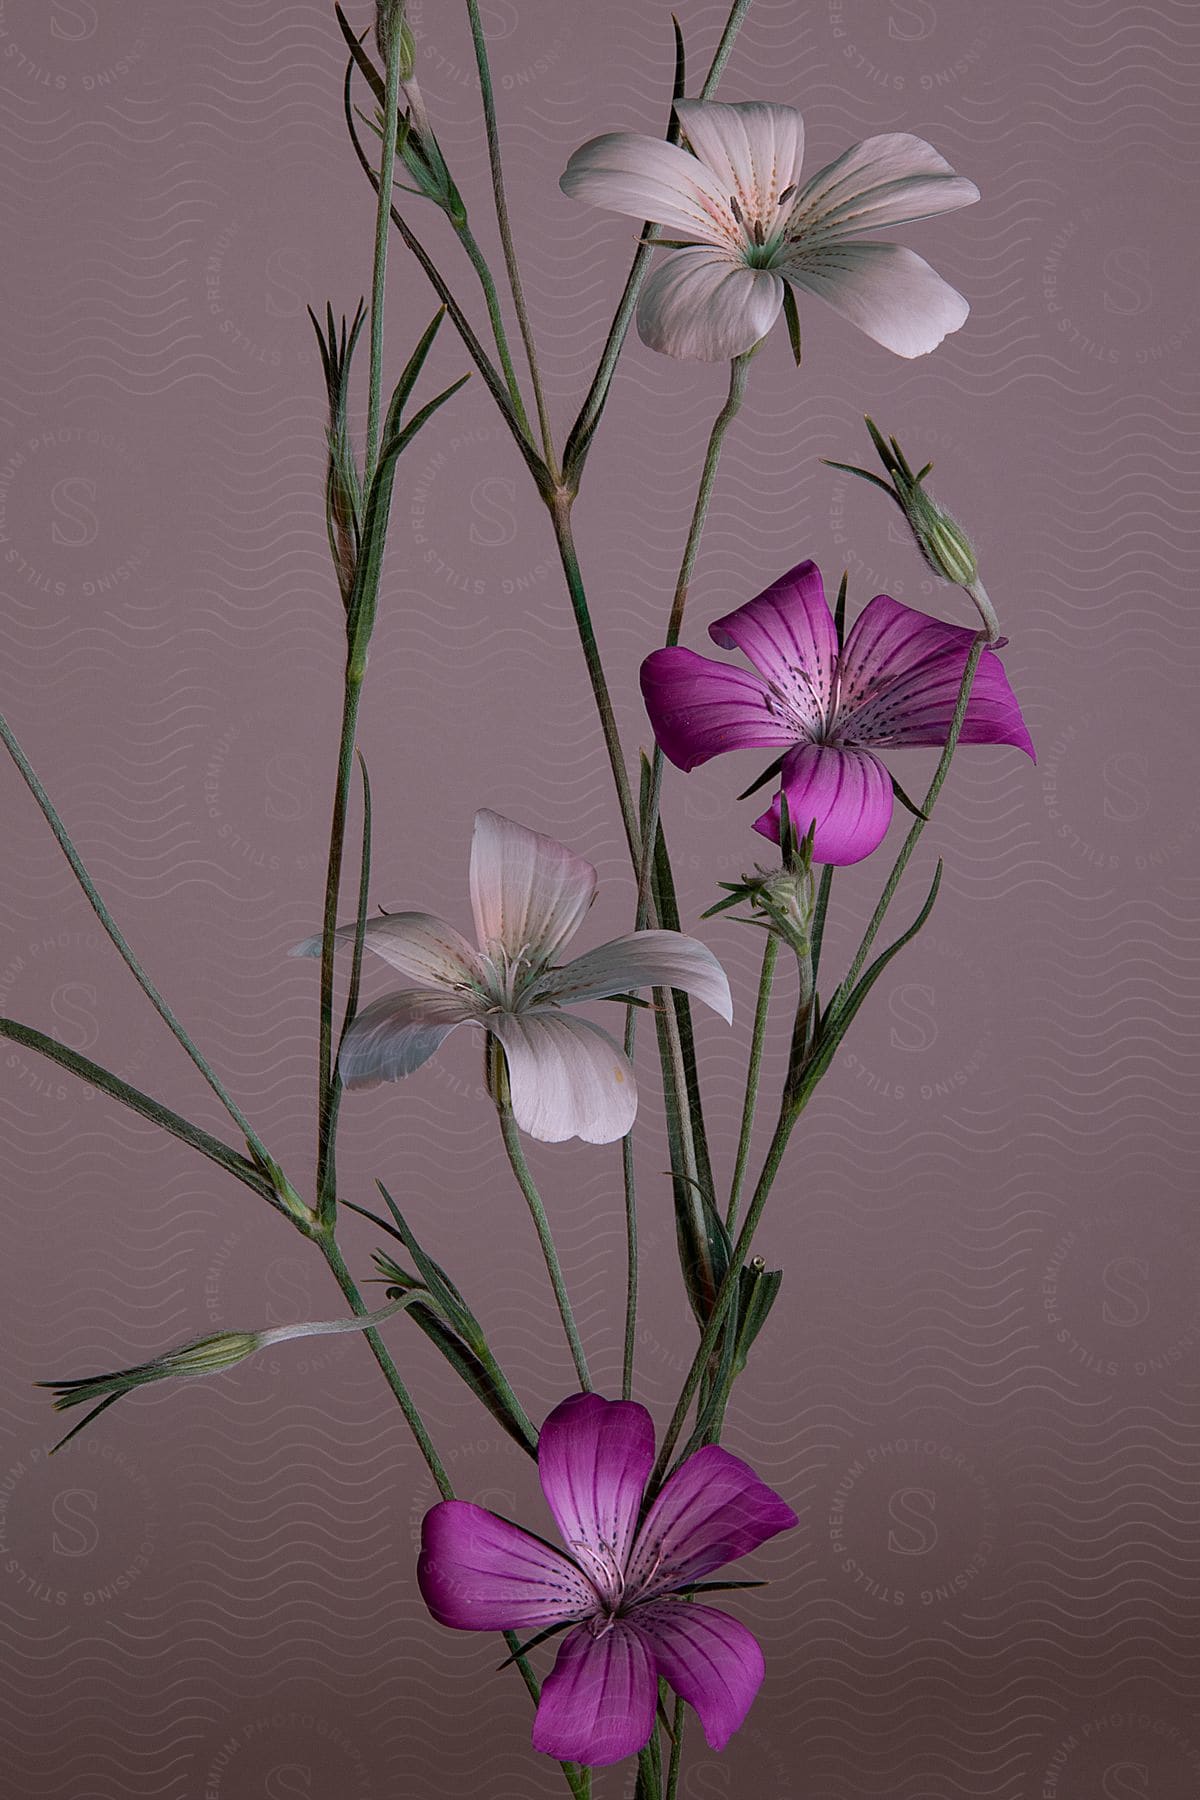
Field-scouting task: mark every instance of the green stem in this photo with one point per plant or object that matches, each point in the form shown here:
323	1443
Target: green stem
62	838
789	1113
333	1256
738	372
677	1724
487	282
753	1072
631	1233
577	1779
528	1187
390	49
502	220
328	1085
560	515
918	825
582	431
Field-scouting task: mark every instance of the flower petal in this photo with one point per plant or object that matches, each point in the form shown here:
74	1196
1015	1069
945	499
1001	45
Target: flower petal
478	1572
642	959
594	1459
700	708
598	1702
788	633
710	1660
712	1510
753	149
889	180
395	1035
848	793
900	679
420	946
706	305
646	178
529	893
568	1078
887	291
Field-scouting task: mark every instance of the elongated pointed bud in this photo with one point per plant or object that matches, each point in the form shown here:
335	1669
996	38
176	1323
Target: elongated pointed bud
941	540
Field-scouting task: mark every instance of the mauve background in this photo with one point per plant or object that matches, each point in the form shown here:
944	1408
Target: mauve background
979	1387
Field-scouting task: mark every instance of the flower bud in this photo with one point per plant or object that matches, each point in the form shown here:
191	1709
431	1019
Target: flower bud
944	545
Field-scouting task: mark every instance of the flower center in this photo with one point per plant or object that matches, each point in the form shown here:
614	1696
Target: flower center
762	233
506	976
603	1568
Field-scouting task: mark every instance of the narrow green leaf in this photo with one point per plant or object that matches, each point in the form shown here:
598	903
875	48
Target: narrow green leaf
839	611
679	83
408	379
822	907
226	1158
865	474
434	1276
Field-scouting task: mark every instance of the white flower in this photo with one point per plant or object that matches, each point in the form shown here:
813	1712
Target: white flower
747	227
529	895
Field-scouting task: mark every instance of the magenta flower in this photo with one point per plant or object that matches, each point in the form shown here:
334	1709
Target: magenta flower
894	682
622	1586
529	895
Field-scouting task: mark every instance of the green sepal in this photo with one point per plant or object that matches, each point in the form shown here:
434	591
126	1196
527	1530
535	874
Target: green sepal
839	611
533	1642
759	781
791	313
908	804
679	83
757	1290
241	1167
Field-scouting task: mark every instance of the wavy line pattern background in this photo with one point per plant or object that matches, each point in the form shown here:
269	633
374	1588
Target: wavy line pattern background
980	1387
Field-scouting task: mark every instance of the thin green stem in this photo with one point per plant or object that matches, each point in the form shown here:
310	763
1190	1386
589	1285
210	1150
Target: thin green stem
528	1187
328	1086
631	1233
739	369
582	431
390	50
63	839
560	515
918	825
337	1263
727	1293
677	1723
506	236
487	282
753	1073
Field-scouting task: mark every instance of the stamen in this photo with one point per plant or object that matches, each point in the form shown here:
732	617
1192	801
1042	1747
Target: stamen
736	210
787	194
760	237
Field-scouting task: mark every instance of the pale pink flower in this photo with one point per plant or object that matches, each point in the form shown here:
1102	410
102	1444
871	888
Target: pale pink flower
529	895
745	227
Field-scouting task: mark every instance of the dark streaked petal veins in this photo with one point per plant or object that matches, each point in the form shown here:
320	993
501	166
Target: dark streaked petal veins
594	1459
753	148
568	1078
598	1702
787	632
420	946
528	892
889	292
707	305
713	1509
395	1035
710	1660
642	959
901	675
847	792
892	179
700	708
478	1572
645	178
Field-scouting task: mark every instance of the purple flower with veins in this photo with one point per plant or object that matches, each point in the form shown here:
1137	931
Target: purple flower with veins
622	1586
894	683
529	895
